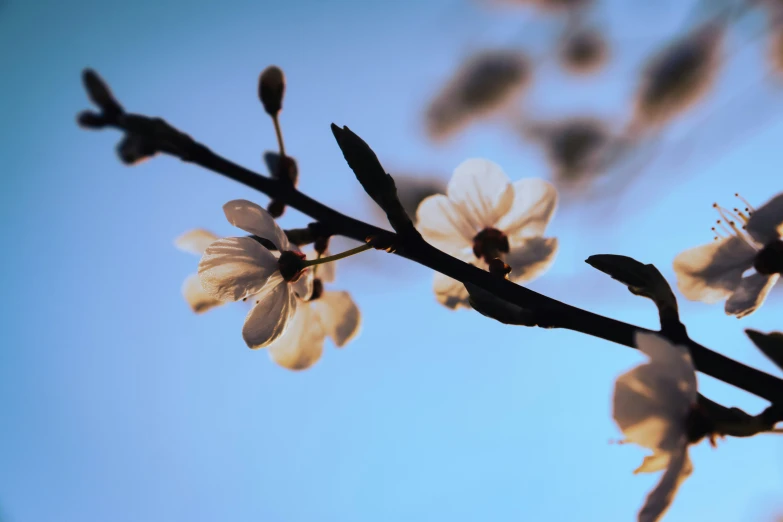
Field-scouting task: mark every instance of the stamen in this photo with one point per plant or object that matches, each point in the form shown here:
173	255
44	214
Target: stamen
750	207
725	228
717	233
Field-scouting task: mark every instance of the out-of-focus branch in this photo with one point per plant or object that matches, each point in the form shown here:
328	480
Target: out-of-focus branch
145	137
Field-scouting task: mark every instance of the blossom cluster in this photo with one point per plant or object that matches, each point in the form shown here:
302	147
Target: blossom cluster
485	218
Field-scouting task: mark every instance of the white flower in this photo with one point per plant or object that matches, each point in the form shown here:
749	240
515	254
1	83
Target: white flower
236	268
326	313
746	240
483	216
654	405
196	242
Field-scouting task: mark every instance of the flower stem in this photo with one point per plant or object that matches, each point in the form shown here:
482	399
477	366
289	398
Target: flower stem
279	134
336	257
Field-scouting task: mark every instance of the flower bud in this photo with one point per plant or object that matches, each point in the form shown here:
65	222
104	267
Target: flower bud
276	208
271	87
91	120
282	167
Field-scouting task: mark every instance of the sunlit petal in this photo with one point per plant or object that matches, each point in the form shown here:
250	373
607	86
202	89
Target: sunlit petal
339	316
531	258
535	201
750	294
766	222
235	267
271	316
302	343
655	462
255	220
660	498
713	271
442	224
199	300
195	241
481	191
649	407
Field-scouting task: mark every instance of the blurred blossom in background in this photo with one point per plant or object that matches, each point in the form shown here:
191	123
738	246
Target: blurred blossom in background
119	403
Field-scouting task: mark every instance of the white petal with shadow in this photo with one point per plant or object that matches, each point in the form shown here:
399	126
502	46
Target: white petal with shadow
534	204
195	241
441	223
302	344
481	192
711	272
271	316
235	267
750	294
198	299
531	258
339	316
255	220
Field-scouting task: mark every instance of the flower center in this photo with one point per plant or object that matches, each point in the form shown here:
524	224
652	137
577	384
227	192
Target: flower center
769	260
733	222
489	244
291	265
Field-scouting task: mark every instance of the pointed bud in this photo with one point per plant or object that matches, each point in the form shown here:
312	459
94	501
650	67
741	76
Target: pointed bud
100	94
271	87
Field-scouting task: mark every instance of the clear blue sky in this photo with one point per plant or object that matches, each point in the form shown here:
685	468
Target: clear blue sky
118	404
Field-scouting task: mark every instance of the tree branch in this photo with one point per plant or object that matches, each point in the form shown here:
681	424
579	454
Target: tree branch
149	136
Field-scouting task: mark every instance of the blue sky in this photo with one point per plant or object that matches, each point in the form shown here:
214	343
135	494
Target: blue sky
119	404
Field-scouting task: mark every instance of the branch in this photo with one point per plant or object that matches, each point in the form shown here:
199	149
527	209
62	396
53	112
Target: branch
154	135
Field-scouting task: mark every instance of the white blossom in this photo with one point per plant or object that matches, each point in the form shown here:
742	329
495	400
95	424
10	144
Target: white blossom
196	242
236	268
717	271
653	404
326	314
482	216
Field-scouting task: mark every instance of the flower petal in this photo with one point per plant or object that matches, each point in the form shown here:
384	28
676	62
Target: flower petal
235	267
441	223
255	220
531	258
649	407
661	497
655	462
339	315
750	294
271	316
302	343
450	292
766	223
481	191
199	300
711	272
675	357
195	241
534	204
